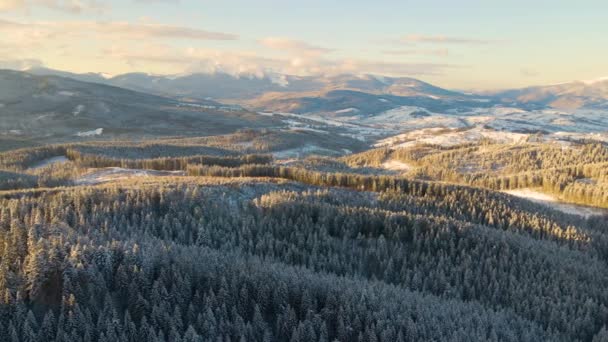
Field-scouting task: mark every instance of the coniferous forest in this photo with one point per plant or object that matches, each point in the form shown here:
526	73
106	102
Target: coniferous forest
221	244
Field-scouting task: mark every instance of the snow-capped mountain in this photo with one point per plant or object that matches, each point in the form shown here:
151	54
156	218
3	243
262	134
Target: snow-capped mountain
220	85
571	95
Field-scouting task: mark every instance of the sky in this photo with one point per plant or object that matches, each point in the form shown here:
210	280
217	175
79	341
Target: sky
457	44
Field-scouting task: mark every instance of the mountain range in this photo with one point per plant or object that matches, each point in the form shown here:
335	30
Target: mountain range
44	105
324	93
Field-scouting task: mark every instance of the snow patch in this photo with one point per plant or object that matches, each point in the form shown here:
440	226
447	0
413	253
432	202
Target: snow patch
301	152
280	80
553	202
595	81
78	110
110	174
450	137
396	165
92	133
347	110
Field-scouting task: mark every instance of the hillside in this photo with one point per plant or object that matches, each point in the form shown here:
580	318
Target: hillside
569	96
282	252
51	108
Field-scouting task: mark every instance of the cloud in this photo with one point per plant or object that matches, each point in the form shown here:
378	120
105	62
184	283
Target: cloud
439	39
154	31
72	6
152	47
293	46
193	59
423	52
39	31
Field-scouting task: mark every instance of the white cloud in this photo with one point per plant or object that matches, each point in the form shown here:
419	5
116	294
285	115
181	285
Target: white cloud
293	46
112	30
151	47
243	62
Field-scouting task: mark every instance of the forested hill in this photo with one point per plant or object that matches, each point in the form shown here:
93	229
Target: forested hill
213	239
198	259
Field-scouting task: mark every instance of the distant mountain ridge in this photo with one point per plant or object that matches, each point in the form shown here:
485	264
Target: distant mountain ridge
226	86
591	94
274	91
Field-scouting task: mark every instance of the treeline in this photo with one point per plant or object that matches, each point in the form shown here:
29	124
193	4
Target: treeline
165	163
577	174
13	180
262	262
470	204
22	159
19	169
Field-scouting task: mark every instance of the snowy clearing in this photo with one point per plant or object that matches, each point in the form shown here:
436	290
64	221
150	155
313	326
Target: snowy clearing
450	137
554	202
302	152
98	176
396	165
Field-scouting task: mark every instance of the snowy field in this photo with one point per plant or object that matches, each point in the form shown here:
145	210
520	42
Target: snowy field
553	202
396	165
98	176
450	137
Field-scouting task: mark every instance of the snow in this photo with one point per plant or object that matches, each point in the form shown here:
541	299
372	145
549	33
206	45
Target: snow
602	136
66	93
308	129
532	195
553	202
503	124
295	125
301	151
347	110
92	133
398	114
396	165
49	161
595	81
98	176
280	80
78	110
450	137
